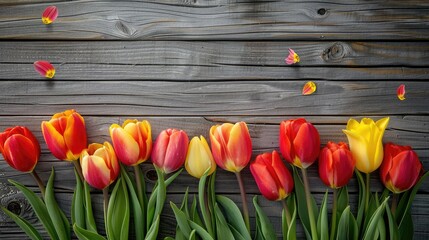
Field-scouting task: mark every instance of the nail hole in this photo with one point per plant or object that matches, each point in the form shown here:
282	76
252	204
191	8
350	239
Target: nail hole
151	175
14	207
321	11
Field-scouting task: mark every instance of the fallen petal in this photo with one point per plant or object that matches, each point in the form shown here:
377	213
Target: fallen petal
44	68
292	58
400	92
309	88
49	15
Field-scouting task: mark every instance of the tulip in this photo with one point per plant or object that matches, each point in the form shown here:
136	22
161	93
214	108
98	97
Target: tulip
231	146
132	141
20	148
299	142
336	165
400	169
199	158
365	140
169	150
272	177
65	135
100	166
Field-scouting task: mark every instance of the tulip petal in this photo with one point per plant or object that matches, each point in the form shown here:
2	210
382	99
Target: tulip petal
400	92
405	170
307	144
309	88
44	68
54	140
75	134
20	153
175	155
126	148
49	15
239	146
292	58
265	182
96	172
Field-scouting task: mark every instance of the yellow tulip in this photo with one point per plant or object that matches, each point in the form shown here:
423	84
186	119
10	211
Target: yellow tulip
199	158
365	140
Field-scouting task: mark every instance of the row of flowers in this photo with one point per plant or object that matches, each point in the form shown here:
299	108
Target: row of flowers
101	165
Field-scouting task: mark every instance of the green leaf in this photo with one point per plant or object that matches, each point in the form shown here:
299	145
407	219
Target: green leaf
184	205
361	205
38	207
78	208
162	192
237	234
204	211
347	226
84	234
89	216
291	203
233	215
194	212
192	236
168	238
266	226
23	224
182	220
322	221
135	203
342	200
201	231
211	197
373	224
302	203
152	233
222	228
118	211
393	227
407	228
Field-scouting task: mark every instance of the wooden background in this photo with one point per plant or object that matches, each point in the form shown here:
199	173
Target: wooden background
190	64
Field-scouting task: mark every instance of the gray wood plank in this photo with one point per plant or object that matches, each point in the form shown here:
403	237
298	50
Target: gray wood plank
275	98
217	54
18	2
222	19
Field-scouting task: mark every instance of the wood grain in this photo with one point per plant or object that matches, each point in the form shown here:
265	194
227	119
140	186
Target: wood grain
221	20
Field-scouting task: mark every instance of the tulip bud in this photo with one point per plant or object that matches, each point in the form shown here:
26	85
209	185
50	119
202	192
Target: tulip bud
100	167
365	141
231	146
20	148
336	165
199	158
169	150
132	141
65	135
299	142
272	177
400	169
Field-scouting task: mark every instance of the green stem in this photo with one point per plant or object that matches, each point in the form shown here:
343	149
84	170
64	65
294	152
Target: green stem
394	203
309	205
243	200
39	182
78	169
367	192
138	184
334	214
286	210
106	204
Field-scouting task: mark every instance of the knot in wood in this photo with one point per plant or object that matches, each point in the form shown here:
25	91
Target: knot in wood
321	11
14	207
335	53
151	175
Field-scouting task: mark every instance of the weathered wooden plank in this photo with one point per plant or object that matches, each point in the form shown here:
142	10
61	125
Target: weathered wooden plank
217	54
9	230
222	19
263	130
274	98
17	2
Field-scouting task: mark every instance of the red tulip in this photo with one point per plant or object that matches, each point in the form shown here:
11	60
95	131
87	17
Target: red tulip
132	141
400	169
65	135
231	146
272	177
100	167
49	15
20	148
169	150
44	68
336	165
299	142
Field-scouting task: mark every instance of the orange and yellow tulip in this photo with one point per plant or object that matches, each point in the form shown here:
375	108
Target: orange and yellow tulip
272	177
400	169
199	158
65	135
169	150
132	141
299	142
100	166
336	165
231	146
20	148
365	141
